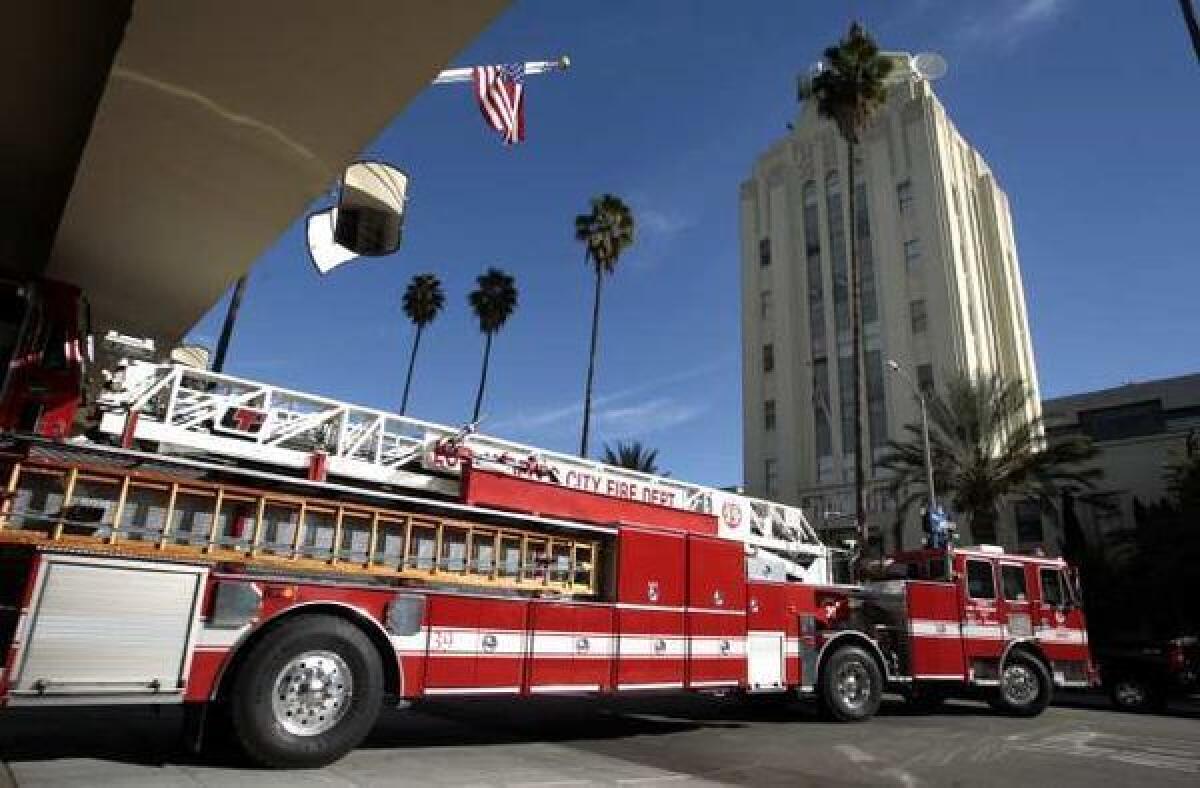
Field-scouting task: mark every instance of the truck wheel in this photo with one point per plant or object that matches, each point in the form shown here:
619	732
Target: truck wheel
1134	693
1025	688
851	685
307	693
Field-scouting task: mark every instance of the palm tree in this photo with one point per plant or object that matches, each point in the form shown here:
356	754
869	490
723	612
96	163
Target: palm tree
423	299
605	233
848	90
986	449
493	302
633	455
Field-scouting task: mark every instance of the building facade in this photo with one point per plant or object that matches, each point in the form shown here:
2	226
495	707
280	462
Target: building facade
941	292
1140	429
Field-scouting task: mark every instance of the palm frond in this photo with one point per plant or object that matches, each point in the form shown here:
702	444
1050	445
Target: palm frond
606	232
423	299
493	300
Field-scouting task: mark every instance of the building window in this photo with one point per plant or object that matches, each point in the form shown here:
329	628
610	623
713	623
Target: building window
816	288
1029	522
769	414
768	357
1123	421
765	306
904	195
870	304
764	252
876	405
912	256
920	321
770	475
837	252
822	418
925	377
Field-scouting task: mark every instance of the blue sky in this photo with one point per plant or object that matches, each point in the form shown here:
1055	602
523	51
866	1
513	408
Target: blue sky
1087	111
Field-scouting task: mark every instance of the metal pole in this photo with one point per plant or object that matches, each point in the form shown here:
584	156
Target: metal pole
231	314
895	367
928	455
452	75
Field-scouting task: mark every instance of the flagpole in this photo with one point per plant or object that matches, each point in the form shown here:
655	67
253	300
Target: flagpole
453	75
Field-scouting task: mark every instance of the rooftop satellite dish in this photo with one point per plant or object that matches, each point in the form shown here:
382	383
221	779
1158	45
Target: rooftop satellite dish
929	65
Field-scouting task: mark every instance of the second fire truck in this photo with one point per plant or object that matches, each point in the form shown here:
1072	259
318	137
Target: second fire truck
284	564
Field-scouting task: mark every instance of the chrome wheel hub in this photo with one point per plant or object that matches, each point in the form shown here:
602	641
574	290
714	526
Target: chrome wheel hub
312	693
853	684
1019	684
1129	694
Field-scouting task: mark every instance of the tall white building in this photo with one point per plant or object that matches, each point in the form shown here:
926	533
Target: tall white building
941	292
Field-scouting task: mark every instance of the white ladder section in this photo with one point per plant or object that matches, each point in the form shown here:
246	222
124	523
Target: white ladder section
187	410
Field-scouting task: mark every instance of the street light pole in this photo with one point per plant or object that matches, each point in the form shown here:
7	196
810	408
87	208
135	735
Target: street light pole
895	367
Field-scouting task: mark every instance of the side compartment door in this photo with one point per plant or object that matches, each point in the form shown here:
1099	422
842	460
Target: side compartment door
595	645
453	644
650	619
716	613
552	646
502	638
934	631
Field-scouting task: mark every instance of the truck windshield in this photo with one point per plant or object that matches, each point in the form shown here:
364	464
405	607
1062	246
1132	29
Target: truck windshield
13	306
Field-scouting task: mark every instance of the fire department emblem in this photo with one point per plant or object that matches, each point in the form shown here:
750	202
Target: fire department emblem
652	590
731	514
718	599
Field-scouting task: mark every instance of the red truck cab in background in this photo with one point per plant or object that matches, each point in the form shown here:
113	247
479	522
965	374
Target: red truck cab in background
45	345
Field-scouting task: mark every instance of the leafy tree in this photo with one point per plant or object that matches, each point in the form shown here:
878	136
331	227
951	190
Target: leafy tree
986	450
633	455
605	233
848	90
423	300
493	301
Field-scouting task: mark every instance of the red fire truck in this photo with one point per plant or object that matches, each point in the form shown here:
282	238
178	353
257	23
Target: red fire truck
284	564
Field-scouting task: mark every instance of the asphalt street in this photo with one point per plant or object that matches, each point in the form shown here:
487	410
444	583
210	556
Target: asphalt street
644	742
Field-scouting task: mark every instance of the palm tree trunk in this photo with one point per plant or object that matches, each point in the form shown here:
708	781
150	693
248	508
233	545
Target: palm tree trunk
860	458
487	354
231	316
412	361
587	391
1189	18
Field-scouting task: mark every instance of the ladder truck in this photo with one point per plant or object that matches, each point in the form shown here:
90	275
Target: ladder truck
283	565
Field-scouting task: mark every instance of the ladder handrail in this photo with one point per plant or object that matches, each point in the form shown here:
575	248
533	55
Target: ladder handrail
391	440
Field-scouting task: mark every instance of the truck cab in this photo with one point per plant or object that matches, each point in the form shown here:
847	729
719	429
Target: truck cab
45	344
1014	615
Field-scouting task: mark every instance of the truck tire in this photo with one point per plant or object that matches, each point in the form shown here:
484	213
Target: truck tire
851	685
1025	688
1136	694
307	693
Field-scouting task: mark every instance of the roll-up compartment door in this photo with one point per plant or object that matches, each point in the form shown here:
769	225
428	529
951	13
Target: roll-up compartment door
109	631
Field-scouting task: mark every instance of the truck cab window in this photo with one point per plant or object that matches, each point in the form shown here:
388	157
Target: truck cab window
1013	579
1053	593
54	353
981	583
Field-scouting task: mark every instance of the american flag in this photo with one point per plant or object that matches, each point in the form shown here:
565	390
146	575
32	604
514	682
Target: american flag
501	96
